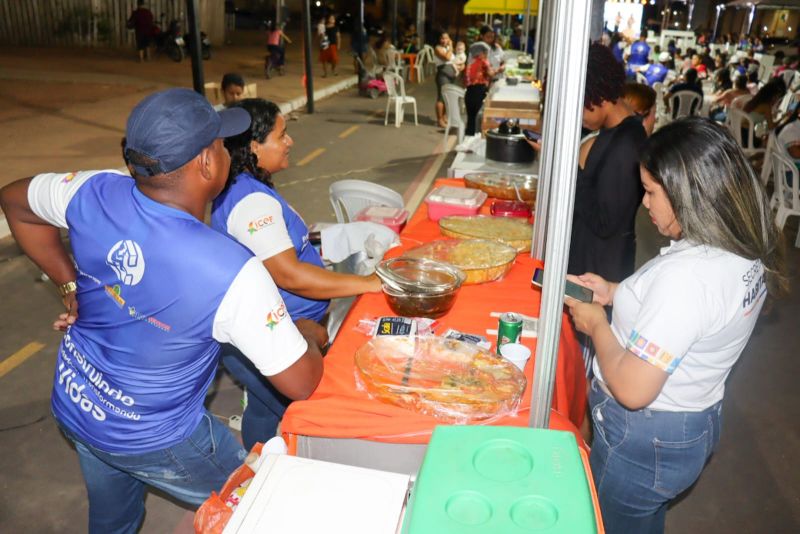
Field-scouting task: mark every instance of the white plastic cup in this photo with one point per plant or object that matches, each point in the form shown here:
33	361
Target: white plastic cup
516	353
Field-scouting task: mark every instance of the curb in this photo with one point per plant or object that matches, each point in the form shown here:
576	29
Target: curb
285	107
299	102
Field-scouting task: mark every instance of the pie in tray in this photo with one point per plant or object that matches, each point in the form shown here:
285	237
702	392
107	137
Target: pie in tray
509	230
451	380
481	260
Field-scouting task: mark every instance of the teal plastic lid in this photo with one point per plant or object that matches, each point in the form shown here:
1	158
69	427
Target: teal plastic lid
492	479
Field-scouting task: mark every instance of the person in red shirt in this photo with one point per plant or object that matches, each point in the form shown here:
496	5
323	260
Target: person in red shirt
477	78
141	22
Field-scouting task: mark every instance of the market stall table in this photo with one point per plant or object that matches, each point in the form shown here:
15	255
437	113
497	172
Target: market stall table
475	161
341	423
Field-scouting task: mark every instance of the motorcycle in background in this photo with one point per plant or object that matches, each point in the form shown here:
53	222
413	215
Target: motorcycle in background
169	42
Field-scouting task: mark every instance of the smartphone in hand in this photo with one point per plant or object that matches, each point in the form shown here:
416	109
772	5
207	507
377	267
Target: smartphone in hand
531	135
571	289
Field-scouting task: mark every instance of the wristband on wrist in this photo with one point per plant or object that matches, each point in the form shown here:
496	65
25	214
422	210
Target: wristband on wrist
67	288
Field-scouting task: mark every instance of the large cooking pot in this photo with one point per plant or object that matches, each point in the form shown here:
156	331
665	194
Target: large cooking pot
506	143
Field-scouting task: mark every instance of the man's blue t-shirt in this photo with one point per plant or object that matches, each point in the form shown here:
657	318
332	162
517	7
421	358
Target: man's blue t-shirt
132	372
245	185
640	52
656	73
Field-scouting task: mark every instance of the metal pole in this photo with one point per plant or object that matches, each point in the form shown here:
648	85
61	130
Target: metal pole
197	60
543	189
394	23
689	15
526	25
308	45
278	14
560	145
421	22
720	8
750	19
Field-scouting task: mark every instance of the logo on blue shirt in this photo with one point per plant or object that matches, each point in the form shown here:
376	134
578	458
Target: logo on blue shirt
127	260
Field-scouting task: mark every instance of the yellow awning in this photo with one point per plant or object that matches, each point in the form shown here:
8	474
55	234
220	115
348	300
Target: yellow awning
501	7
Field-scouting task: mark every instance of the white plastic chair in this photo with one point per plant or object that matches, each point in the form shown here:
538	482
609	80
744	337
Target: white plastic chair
766	168
396	64
640	78
424	57
685	104
788	77
786	102
348	197
740	101
453	96
786	197
396	91
737	120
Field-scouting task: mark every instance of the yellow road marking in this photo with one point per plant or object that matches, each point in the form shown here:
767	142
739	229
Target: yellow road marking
314	153
348	131
16	359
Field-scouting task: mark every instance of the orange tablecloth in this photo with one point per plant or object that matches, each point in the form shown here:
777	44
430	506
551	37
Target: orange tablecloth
338	409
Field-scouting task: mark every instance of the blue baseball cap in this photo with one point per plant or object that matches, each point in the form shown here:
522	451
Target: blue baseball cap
168	129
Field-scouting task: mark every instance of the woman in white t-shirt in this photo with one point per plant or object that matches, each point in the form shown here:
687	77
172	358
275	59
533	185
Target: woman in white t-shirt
253	213
679	323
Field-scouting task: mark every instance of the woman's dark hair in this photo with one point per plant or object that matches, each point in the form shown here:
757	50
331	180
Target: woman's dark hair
768	94
722	80
716	195
640	96
605	77
690	76
263	115
740	82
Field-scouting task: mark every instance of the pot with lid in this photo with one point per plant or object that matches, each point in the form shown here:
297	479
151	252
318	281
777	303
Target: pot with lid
506	143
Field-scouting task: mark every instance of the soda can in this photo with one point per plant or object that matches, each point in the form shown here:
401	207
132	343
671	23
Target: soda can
509	329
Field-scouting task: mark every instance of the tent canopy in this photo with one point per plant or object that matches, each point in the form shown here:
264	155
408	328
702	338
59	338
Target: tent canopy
500	7
764	4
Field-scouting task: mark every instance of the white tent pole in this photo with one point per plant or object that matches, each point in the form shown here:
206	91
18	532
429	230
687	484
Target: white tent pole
750	19
563	116
720	9
421	22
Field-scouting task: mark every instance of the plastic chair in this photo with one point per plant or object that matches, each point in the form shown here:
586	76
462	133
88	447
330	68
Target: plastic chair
740	101
789	77
348	197
737	120
766	167
396	89
453	96
396	64
685	104
787	191
420	65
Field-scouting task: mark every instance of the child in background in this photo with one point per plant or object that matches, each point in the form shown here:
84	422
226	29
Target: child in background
460	57
232	90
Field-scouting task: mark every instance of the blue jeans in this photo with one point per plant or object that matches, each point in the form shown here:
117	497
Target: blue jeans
265	405
189	471
643	459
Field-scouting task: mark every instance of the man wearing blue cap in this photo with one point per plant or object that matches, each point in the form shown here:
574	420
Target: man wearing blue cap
157	291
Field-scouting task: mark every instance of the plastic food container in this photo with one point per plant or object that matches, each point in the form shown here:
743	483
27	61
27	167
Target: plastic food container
481	260
508	230
448	200
510	208
451	380
394	218
412	304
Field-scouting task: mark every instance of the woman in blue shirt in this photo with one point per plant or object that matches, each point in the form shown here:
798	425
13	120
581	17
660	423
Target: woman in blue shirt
252	212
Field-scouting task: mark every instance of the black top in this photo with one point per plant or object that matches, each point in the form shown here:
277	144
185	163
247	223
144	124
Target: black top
331	32
607	194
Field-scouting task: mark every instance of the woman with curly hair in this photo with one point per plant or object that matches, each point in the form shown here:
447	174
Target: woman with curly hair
253	213
608	191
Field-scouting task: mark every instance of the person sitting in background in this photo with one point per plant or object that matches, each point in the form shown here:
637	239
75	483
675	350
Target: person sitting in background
722	82
679	324
789	136
640	51
657	72
383	49
722	102
411	40
687	82
253	213
232	90
642	100
760	108
697	64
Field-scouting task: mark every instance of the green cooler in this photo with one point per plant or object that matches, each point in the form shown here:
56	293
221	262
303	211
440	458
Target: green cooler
501	480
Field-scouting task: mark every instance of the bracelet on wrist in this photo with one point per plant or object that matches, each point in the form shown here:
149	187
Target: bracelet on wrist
67	288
